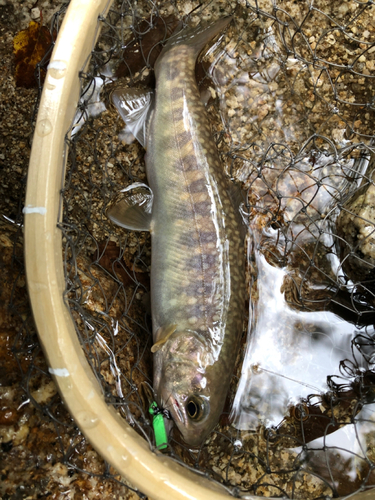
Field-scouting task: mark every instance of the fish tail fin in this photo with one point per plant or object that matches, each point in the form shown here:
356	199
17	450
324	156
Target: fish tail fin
196	37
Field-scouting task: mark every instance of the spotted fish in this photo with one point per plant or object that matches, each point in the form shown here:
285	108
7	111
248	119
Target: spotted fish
197	237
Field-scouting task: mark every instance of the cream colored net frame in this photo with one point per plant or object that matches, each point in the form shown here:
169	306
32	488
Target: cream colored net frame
154	475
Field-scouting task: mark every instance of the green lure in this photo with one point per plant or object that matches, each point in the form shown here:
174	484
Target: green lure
158	424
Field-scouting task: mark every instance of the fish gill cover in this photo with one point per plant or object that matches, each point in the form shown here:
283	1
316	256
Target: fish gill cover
289	89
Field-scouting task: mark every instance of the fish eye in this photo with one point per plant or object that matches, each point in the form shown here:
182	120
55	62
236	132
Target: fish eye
196	408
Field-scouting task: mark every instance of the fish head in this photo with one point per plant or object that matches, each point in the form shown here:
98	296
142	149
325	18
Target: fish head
183	386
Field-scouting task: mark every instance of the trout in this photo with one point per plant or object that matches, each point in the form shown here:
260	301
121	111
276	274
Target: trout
197	238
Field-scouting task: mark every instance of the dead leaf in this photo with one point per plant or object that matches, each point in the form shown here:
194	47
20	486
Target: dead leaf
29	47
144	49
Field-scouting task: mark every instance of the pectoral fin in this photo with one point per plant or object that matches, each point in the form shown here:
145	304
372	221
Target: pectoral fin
132	208
162	335
135	107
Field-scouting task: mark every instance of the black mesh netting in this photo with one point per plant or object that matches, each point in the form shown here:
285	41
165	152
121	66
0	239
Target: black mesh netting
289	92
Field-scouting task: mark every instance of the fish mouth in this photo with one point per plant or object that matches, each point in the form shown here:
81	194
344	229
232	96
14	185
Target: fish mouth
178	411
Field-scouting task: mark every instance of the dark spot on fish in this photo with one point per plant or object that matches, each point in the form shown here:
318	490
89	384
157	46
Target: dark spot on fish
209	260
194	261
190	162
203	208
183	138
174	72
194	310
198	186
209	285
194	289
207	237
176	93
199	287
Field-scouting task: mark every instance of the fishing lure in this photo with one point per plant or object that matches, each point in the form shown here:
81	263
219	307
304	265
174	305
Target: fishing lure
158	424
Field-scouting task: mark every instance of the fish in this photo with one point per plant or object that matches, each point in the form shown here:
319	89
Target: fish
197	237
